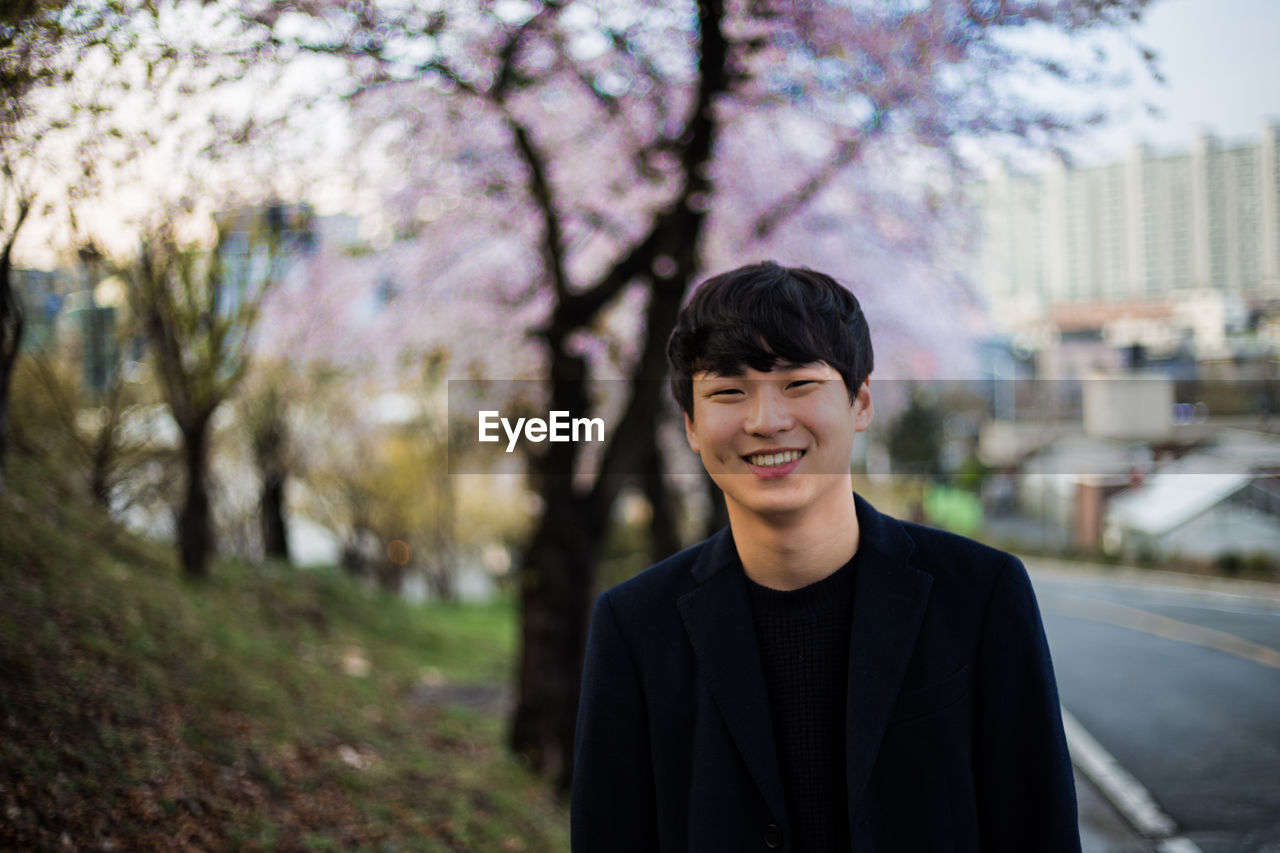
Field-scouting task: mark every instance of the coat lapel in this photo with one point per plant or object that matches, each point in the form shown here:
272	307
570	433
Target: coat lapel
889	603
717	617
888	606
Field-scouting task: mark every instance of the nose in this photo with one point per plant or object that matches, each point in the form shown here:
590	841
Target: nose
769	413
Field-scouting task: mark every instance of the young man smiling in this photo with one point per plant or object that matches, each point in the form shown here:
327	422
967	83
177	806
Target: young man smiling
817	676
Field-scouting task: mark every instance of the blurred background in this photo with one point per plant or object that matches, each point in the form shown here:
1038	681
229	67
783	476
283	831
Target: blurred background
261	263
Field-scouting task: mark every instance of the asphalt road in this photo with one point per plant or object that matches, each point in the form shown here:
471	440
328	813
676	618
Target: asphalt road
1180	682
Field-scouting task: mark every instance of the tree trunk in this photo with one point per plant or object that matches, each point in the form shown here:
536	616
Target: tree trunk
438	574
664	538
105	452
12	323
559	569
664	307
357	555
557	582
558	574
100	477
557	587
275	535
10	340
389	575
440	565
269	440
195	532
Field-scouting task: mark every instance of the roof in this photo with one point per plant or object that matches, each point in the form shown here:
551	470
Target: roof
1170	499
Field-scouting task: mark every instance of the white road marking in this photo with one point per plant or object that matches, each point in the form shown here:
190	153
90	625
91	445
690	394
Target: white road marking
1177	845
1122	790
1118	785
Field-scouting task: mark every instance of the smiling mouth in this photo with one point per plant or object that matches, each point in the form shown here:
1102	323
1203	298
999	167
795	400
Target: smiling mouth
774	460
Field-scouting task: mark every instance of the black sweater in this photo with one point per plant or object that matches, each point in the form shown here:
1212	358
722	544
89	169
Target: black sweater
803	636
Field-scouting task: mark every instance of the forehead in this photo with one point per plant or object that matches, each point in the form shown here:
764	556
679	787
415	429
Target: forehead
745	372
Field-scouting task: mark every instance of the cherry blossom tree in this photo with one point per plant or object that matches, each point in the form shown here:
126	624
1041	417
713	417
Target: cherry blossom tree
571	159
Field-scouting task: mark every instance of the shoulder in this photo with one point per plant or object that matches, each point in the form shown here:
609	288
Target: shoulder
941	550
974	585
975	591
963	572
939	553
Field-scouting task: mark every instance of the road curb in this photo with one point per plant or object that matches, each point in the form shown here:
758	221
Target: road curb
1125	793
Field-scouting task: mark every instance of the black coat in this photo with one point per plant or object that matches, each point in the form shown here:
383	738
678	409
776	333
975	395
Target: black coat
954	739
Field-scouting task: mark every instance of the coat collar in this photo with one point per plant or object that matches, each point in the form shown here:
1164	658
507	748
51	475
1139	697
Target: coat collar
888	606
889	601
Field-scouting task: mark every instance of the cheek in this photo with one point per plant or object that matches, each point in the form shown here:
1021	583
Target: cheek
838	429
715	443
713	432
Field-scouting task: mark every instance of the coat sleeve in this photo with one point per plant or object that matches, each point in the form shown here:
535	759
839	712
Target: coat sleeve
1025	787
613	804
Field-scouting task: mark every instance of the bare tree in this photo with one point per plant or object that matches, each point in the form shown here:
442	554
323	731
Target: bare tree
76	76
199	307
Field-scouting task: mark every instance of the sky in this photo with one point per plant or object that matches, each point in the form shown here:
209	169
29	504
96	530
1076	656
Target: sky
1222	67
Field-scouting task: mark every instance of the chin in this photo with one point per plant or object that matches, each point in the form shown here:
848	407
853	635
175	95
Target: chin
774	506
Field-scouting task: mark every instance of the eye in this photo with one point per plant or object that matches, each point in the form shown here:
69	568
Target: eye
800	383
724	392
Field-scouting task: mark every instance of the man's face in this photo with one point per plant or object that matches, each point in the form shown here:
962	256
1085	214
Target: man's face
778	443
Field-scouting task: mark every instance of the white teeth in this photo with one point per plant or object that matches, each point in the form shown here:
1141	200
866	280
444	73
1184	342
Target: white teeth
773	460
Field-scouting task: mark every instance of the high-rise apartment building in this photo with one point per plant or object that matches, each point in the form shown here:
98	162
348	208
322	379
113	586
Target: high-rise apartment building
1160	244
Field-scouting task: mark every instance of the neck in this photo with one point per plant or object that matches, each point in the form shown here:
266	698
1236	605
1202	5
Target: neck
791	551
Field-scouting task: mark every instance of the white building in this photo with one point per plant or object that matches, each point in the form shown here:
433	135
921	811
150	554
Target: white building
1158	249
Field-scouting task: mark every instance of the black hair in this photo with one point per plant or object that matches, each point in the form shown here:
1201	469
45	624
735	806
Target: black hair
763	315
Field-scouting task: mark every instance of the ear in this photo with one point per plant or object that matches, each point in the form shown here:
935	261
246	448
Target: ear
692	436
862	408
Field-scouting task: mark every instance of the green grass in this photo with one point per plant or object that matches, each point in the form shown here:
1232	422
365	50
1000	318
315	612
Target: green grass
264	708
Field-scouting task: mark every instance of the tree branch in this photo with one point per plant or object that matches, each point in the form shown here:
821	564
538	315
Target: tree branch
771	219
633	444
539	182
540	188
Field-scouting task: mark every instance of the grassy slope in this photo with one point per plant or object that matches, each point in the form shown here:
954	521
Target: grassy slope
262	709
